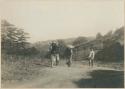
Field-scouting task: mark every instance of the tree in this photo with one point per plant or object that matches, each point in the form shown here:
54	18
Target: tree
113	49
108	35
99	36
119	35
21	38
13	39
114	52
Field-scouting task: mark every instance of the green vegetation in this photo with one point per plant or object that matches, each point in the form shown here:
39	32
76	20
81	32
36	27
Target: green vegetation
14	40
113	46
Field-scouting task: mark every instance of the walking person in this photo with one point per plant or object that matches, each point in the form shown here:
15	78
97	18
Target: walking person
91	57
54	53
69	54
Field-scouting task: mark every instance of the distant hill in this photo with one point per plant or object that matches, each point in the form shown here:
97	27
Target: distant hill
42	44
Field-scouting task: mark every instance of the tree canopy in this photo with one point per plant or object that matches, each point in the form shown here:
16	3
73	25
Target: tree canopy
13	39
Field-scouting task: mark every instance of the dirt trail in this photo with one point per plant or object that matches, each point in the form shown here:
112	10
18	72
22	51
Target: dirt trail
61	76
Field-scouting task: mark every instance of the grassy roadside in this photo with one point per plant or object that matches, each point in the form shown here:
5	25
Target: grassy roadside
17	69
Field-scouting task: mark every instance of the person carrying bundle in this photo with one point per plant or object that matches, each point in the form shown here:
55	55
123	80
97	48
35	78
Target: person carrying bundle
69	54
54	53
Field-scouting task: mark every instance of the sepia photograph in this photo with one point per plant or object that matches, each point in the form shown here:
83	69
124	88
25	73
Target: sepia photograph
62	43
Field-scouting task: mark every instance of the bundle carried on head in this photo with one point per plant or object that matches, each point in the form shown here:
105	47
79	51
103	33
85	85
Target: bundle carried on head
70	46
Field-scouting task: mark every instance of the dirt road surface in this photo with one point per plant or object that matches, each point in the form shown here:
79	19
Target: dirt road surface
79	75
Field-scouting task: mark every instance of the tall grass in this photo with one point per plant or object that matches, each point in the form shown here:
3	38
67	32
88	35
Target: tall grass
19	68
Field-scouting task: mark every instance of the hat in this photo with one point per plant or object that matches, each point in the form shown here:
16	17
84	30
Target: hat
70	46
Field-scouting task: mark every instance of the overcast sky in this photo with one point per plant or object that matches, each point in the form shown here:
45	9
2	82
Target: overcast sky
53	19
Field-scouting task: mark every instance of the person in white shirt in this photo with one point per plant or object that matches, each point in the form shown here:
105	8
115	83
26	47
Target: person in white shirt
91	57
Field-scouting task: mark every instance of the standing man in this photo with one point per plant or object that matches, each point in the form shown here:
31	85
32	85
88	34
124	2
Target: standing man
91	57
57	53
54	53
